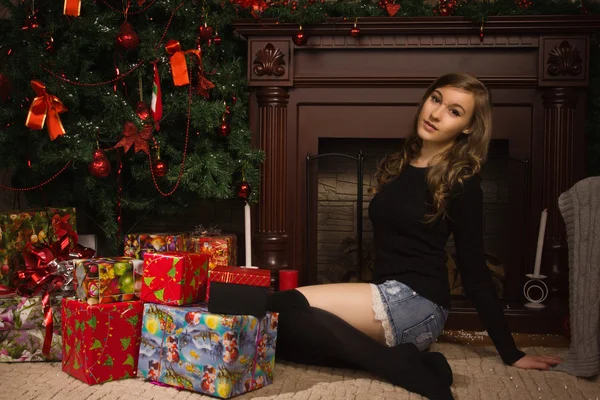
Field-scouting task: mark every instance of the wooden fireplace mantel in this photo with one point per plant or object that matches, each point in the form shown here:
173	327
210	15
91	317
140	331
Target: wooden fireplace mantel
537	68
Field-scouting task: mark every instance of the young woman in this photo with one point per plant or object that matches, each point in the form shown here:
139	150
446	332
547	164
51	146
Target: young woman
427	191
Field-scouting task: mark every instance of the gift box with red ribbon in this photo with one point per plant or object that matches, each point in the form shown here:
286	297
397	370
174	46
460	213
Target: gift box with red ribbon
23	329
174	278
238	290
18	230
137	244
108	280
101	342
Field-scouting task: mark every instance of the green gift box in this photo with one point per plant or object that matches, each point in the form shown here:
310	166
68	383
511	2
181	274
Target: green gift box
108	280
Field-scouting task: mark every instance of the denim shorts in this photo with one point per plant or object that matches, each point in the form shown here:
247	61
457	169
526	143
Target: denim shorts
406	316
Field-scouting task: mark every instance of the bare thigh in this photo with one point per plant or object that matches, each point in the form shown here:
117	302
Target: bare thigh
352	302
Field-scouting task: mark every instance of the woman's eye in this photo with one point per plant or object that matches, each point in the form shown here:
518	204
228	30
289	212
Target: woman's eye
435	99
455	113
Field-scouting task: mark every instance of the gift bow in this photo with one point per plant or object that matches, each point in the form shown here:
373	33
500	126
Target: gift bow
45	273
45	107
45	268
179	68
139	139
72	8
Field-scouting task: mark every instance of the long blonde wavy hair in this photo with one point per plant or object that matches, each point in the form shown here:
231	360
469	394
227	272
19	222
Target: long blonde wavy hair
462	160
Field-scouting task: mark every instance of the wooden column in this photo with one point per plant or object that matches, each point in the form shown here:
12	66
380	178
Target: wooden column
559	131
271	74
271	238
563	74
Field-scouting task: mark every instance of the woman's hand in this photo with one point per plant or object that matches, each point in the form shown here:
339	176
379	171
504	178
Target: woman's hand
537	362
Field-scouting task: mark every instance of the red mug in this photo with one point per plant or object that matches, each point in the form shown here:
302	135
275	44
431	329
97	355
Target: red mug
288	279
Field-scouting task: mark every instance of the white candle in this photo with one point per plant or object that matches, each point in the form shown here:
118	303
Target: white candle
540	244
248	239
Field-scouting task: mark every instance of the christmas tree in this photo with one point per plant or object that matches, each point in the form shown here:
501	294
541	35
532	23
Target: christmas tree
126	105
139	106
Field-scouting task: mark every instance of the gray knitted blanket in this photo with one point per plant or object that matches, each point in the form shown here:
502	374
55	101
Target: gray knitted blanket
580	209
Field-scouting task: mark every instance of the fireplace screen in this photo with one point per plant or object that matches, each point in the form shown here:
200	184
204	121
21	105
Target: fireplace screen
338	219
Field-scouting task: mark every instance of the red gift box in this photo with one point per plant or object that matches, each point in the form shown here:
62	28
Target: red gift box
101	342
174	278
239	276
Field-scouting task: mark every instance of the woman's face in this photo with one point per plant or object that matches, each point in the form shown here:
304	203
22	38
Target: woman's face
445	114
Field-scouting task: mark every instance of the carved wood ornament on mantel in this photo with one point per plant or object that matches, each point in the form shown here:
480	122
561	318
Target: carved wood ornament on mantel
269	61
564	60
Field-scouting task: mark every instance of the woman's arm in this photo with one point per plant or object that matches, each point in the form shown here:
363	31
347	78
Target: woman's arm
466	214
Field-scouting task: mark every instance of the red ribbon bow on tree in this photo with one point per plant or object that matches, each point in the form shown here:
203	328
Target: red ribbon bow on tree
45	107
178	62
133	137
179	68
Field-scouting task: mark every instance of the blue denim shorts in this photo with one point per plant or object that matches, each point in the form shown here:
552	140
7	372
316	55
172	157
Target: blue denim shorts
406	316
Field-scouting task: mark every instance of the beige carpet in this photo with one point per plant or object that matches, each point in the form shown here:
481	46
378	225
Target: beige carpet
478	375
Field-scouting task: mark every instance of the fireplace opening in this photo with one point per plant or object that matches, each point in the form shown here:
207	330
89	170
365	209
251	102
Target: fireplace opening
336	208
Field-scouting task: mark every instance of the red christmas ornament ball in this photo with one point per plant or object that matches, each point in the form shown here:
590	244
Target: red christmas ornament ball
100	166
224	129
5	270
142	110
243	190
355	31
206	32
217	40
127	39
300	38
160	168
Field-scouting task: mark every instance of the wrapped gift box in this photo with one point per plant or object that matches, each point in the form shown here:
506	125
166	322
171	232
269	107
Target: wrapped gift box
17	229
174	277
108	280
220	248
138	244
219	355
22	329
238	290
101	342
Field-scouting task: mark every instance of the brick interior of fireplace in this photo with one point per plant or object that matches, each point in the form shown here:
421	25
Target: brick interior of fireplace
337	210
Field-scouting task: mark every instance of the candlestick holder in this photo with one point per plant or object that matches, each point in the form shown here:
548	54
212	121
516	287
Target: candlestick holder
535	282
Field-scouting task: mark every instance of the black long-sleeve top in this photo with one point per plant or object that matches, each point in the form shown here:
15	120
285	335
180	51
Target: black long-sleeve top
413	252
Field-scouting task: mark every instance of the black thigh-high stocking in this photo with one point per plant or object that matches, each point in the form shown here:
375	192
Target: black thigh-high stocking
315	331
286	303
